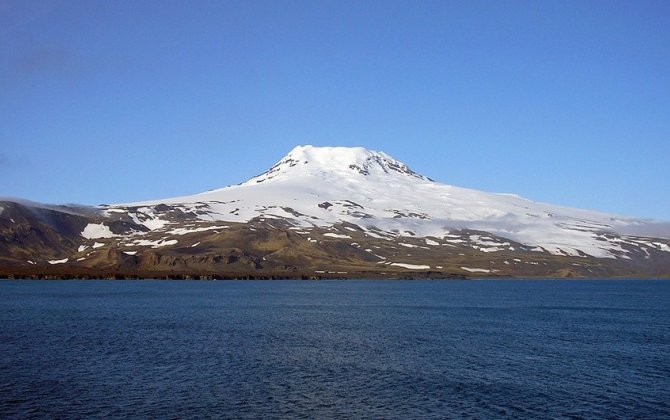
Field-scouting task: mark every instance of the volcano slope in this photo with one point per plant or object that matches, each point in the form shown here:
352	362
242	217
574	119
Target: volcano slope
329	212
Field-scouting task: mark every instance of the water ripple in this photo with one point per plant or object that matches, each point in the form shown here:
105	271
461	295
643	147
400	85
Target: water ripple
334	349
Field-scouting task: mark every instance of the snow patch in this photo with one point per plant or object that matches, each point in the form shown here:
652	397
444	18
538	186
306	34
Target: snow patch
185	231
154	244
336	235
155	224
492	249
476	270
107	212
64	260
412	266
97	231
375	235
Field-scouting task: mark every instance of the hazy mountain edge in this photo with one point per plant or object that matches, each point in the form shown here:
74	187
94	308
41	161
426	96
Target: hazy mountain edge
653	229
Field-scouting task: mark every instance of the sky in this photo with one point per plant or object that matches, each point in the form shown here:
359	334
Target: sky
566	102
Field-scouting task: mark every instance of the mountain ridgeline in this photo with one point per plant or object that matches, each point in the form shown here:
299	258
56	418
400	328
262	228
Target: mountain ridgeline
324	212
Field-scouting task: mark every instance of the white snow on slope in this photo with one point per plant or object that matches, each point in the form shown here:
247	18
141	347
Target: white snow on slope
185	231
476	270
321	186
412	266
155	224
336	235
96	231
154	244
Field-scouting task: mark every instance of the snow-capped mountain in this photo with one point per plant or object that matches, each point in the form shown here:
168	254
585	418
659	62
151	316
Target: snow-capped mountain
321	186
339	208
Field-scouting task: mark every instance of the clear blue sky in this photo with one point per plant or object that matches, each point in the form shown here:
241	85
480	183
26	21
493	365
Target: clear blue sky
566	102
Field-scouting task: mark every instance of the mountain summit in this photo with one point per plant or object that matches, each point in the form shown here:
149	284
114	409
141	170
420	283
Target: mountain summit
341	162
326	210
321	186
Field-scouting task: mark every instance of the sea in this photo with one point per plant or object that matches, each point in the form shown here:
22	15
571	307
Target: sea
335	349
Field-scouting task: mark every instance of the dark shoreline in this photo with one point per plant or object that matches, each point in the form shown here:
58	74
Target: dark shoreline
109	275
294	276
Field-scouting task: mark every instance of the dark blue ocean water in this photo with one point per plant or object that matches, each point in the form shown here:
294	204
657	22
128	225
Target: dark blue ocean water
397	349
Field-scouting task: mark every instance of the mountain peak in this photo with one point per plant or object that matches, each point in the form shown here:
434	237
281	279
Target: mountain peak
345	161
325	187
